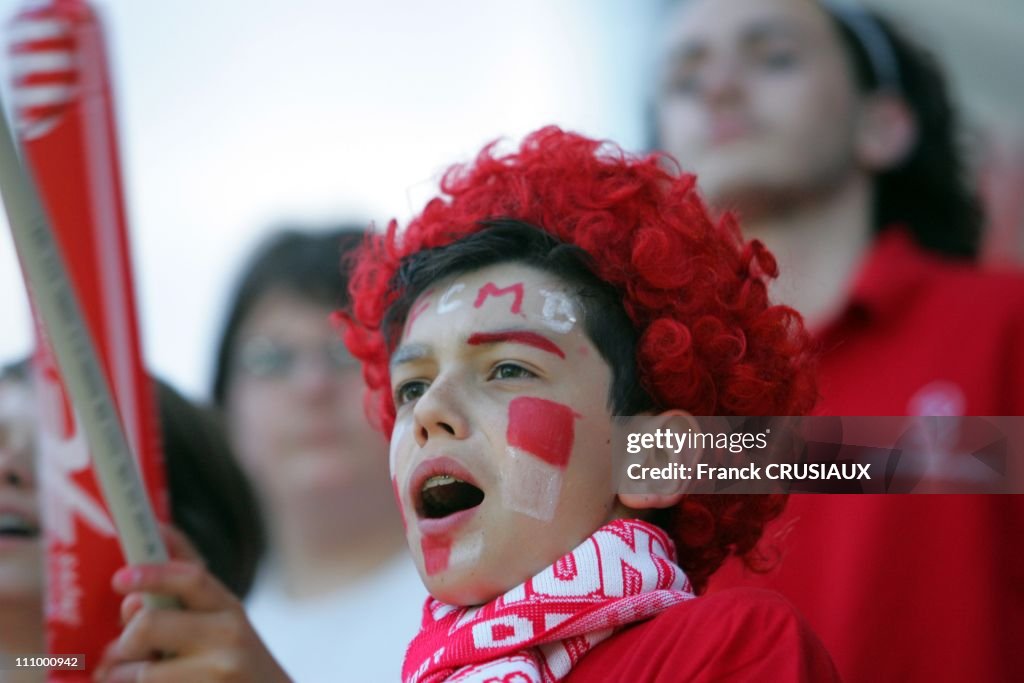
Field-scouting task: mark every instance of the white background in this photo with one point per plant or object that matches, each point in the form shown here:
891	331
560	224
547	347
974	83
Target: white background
235	116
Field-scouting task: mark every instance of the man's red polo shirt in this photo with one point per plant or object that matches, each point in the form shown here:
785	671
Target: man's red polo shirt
913	587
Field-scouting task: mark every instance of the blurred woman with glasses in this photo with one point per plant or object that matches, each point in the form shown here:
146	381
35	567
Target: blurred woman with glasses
291	396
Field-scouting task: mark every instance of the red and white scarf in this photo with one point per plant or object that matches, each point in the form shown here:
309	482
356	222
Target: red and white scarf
537	631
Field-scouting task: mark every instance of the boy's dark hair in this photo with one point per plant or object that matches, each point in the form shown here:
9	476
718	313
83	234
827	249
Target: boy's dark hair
307	264
513	241
211	499
930	191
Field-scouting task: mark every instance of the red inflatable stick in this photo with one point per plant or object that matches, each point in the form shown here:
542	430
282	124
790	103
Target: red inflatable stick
63	108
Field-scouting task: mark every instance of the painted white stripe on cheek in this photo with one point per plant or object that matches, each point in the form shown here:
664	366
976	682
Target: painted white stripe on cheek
530	486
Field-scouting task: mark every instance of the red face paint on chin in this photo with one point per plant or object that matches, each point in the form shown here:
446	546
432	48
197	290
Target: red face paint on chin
436	551
491	289
544	428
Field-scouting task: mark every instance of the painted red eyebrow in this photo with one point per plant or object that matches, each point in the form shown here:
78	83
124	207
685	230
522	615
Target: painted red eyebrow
516	337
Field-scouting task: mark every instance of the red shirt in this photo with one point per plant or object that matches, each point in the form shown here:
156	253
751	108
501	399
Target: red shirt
914	587
734	635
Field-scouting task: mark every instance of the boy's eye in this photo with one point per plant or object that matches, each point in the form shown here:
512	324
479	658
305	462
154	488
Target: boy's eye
409	391
510	371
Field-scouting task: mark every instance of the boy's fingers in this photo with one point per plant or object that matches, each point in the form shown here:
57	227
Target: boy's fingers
194	587
152	632
179	547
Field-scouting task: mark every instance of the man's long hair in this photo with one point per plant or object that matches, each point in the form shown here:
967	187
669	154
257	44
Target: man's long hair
931	192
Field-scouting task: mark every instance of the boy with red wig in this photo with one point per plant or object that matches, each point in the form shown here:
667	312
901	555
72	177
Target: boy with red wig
549	290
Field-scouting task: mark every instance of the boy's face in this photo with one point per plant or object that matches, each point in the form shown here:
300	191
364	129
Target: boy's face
500	452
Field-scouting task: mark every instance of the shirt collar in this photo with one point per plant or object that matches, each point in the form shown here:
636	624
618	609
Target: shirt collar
892	272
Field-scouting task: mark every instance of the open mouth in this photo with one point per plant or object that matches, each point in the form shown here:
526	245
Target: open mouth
443	494
13	525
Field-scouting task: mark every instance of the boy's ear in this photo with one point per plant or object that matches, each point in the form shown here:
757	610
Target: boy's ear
664	493
887	131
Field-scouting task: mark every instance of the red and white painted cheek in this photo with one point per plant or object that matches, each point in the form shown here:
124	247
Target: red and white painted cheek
444	553
540	440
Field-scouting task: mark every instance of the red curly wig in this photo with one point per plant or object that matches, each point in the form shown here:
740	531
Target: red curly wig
710	342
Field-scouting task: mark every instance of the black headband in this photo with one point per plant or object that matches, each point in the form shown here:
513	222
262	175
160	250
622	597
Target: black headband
873	40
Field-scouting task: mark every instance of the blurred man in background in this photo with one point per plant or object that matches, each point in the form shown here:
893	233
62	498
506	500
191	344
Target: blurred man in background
339	591
834	139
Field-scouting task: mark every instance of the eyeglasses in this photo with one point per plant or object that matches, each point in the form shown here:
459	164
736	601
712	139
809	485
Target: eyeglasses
266	358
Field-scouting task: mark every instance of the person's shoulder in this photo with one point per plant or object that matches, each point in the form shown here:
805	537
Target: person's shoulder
750	614
750	634
973	284
737	634
743	603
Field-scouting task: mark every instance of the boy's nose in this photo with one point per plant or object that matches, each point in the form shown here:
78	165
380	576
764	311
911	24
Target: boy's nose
439	414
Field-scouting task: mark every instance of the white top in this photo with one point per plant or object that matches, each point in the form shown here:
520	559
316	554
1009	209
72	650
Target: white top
358	633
